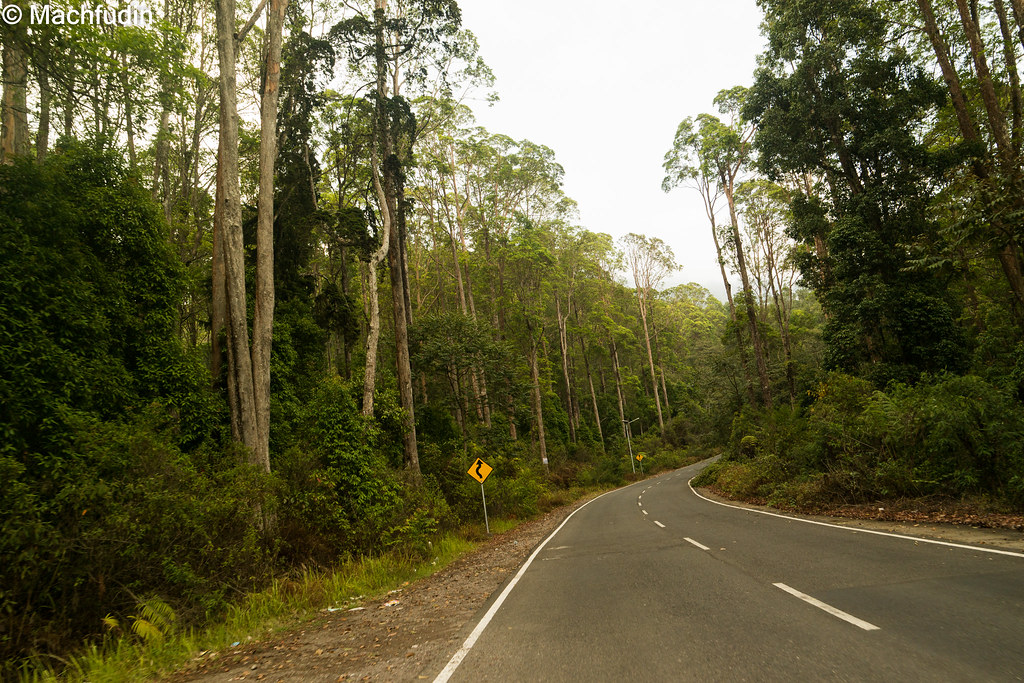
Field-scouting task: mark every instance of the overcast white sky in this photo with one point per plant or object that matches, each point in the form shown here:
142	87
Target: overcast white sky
605	84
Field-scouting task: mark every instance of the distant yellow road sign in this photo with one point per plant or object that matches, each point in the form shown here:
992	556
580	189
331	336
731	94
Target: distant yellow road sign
479	470
639	456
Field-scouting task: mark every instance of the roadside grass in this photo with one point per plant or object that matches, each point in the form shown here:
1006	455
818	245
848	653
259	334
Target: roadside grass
286	602
145	655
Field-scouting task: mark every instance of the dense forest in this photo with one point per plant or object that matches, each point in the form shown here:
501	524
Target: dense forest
268	291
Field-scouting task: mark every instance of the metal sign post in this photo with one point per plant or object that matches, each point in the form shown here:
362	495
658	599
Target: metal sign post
479	471
487	524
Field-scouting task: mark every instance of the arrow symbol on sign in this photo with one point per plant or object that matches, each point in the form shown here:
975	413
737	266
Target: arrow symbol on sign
479	464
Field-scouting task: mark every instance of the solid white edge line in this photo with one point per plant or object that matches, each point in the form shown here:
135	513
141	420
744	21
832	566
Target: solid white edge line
457	658
659	524
919	539
849	618
699	545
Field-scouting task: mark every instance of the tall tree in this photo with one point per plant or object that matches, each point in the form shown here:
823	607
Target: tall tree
649	260
388	39
693	160
836	99
249	369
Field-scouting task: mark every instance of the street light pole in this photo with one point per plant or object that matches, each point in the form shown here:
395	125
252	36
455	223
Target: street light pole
630	443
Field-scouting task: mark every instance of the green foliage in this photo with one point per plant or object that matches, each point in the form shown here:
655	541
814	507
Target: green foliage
836	98
946	435
98	396
341	496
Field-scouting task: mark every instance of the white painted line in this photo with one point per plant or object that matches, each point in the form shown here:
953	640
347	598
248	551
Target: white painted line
916	539
644	511
659	524
849	618
699	545
457	658
639	504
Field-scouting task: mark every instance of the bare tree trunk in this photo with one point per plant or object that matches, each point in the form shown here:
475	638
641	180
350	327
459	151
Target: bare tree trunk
15	139
373	334
392	183
755	334
1010	61
782	317
618	386
744	362
538	411
263	316
661	367
240	362
996	119
650	358
45	99
161	169
590	383
218	300
563	344
68	109
967	126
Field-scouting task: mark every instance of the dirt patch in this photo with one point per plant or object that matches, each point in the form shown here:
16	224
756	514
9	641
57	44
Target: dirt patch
939	520
406	635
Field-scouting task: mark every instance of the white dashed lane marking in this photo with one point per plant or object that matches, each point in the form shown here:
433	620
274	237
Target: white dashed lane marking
849	618
699	545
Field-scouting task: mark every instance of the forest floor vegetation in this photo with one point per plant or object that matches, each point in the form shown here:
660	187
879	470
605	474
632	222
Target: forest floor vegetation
400	634
386	617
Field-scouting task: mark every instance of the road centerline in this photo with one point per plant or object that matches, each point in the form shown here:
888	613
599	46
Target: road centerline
693	542
834	611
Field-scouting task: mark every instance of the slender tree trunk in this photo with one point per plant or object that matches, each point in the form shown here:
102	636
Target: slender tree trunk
218	300
618	386
661	368
240	362
45	100
740	345
161	169
755	334
392	185
463	305
538	411
68	109
782	317
263	316
563	343
996	119
590	383
1010	61
967	126
15	139
373	297
641	299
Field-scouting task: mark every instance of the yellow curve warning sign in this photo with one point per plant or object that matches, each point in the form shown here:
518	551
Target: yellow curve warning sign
479	470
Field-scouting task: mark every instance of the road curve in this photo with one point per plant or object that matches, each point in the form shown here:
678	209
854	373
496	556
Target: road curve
653	583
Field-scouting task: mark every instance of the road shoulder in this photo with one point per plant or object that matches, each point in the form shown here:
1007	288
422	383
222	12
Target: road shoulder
1000	538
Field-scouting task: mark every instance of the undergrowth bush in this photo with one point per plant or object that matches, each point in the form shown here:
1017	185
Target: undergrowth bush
947	435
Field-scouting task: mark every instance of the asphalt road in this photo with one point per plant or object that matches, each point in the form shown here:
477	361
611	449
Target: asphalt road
653	583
